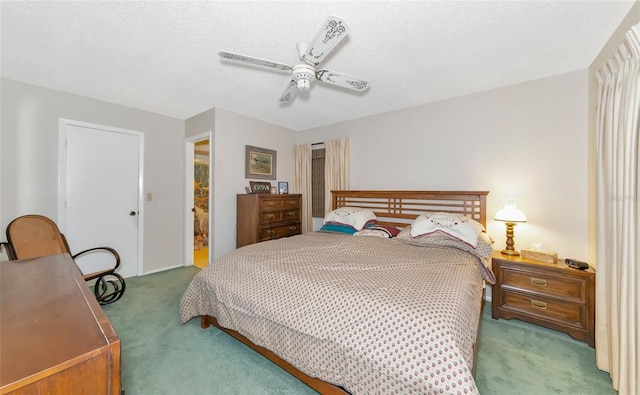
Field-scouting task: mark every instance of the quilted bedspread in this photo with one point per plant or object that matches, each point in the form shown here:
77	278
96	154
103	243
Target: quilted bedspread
369	314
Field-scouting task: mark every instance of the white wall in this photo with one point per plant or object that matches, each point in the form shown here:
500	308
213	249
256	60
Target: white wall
231	132
526	142
29	161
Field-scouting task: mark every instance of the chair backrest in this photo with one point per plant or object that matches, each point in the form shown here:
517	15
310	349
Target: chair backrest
33	236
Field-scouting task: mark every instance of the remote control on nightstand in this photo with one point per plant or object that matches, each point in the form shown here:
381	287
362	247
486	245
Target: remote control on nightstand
576	264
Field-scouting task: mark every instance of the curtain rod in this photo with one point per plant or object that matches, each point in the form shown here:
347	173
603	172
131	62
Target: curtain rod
317	143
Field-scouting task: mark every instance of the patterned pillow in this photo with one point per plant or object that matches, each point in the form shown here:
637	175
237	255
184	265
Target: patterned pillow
483	249
356	217
377	230
391	230
457	225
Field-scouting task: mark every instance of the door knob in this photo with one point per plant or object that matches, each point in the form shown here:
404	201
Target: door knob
132	213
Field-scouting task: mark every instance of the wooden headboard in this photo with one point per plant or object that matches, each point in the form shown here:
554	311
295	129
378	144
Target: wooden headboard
399	208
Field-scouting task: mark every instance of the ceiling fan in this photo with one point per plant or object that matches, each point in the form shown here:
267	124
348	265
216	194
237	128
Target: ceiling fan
302	74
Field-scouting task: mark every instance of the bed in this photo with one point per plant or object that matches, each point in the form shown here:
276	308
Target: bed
360	315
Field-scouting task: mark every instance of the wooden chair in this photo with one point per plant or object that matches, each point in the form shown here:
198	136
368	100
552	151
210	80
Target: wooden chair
33	236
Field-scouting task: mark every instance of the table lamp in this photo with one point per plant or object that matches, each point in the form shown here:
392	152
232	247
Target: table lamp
510	215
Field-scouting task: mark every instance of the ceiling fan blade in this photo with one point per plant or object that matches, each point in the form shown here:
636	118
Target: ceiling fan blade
332	32
289	93
253	60
343	80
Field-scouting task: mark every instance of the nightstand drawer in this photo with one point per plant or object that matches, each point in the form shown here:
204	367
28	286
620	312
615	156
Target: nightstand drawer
562	312
280	231
546	284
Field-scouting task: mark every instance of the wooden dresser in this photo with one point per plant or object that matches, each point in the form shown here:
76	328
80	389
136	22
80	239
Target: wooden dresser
546	294
264	217
55	337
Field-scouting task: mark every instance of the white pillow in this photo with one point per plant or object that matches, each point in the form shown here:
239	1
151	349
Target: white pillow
456	225
355	217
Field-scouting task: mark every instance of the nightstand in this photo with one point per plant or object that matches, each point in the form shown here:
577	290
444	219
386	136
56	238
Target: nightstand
552	295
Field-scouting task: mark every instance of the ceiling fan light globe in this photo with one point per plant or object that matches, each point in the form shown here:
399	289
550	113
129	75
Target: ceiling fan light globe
303	84
303	74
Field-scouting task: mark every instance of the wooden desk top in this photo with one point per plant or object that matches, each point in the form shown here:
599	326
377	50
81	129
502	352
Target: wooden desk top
49	321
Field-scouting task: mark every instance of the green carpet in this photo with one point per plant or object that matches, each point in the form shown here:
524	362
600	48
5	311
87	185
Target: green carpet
160	356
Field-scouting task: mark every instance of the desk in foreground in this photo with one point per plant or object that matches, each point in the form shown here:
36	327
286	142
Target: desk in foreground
55	338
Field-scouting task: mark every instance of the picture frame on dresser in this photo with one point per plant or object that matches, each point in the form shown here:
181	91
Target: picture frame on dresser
260	186
260	163
283	187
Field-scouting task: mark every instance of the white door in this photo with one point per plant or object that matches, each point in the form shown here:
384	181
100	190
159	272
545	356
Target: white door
100	191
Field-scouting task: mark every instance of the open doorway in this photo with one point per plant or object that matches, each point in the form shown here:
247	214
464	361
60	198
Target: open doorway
201	228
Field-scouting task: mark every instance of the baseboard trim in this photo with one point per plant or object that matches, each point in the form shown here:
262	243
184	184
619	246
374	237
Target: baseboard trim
164	269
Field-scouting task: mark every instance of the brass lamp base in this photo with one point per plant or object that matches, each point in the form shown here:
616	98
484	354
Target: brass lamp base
509	250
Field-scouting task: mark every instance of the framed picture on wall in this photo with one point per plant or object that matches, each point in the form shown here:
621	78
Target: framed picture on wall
283	187
260	163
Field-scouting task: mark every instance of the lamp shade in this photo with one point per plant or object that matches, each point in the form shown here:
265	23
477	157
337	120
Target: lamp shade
510	213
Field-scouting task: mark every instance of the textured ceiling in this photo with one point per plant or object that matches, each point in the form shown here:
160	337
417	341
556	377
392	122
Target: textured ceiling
162	56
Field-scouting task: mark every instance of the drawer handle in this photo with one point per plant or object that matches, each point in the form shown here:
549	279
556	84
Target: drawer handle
271	232
293	213
539	282
270	203
270	216
292	228
539	305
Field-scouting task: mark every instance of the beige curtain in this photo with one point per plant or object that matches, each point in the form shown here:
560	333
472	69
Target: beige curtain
302	183
336	168
618	217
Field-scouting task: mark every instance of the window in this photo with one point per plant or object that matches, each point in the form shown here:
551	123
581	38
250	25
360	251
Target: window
317	183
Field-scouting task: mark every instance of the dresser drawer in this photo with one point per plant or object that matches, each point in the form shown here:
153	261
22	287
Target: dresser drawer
268	218
268	204
291	203
280	231
567	288
566	313
262	217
